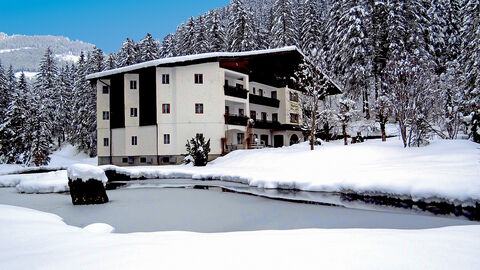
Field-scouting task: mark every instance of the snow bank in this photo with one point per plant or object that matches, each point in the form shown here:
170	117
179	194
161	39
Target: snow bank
26	233
51	182
60	159
99	228
86	172
446	170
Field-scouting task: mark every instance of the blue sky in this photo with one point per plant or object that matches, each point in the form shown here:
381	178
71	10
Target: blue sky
105	23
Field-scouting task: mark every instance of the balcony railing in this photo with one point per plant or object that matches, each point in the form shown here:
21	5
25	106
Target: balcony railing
235	91
239	120
267	124
266	101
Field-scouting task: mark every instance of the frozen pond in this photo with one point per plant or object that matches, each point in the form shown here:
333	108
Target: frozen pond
150	206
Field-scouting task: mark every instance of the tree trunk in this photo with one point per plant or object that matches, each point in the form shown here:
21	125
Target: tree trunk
344	131
312	134
403	132
382	127
366	106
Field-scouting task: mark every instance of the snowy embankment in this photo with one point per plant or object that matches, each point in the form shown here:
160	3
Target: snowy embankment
61	159
443	171
25	232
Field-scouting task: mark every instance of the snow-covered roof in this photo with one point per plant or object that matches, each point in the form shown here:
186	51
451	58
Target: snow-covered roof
188	58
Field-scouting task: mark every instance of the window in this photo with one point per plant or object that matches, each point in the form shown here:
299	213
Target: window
131	160
105	89
241	112
294	118
165	78
133	84
106	115
105	142
133	112
240	138
260	92
198	78
134	140
253	115
274	117
264	116
124	160
293	96
143	160
165	160
199	134
274	94
254	91
239	86
166	108
166	138
198	108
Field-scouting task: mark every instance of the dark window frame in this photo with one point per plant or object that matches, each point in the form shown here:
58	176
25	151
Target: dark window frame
106	89
133	112
294	118
133	84
134	140
198	78
199	108
166	108
166	138
106	142
106	115
165	78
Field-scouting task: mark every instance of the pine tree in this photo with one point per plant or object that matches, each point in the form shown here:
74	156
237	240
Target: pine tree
148	48
110	62
46	85
85	125
241	27
128	54
283	30
15	127
188	38
4	95
216	33
310	29
167	48
96	61
471	70
200	44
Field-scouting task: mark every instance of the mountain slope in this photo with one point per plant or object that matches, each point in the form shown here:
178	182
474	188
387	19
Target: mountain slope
25	52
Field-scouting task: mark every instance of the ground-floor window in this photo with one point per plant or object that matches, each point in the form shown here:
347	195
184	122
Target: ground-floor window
240	137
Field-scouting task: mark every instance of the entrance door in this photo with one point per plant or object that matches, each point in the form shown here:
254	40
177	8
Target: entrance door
278	141
264	139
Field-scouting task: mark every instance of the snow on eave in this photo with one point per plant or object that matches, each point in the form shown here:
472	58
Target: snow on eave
187	58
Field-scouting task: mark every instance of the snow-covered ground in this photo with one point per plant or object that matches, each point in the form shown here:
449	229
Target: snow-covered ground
446	170
61	159
37	240
44	182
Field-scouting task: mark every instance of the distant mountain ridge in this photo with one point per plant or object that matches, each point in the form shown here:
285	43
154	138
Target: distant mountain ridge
25	52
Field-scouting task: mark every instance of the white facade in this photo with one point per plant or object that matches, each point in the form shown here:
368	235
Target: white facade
192	99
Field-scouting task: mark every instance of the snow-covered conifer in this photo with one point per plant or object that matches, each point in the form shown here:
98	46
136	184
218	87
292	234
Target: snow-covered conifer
128	53
148	48
283	32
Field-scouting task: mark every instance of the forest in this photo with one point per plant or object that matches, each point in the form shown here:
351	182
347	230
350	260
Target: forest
413	63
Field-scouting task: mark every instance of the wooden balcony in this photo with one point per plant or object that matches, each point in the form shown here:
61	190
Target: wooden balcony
266	101
235	91
239	120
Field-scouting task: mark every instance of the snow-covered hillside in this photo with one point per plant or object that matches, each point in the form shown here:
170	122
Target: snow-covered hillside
25	52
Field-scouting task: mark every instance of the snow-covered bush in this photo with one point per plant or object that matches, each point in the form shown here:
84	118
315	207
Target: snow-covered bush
197	151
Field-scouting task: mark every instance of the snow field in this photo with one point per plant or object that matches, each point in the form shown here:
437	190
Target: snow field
25	232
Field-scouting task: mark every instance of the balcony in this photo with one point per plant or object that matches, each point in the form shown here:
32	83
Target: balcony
267	124
235	91
266	101
239	120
